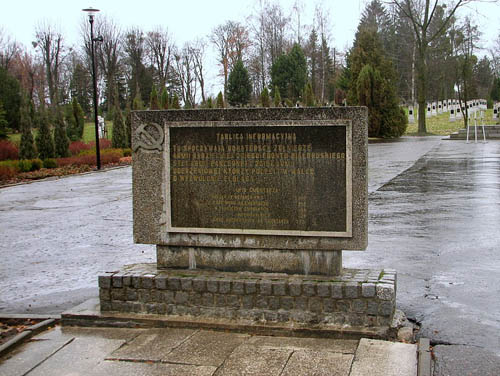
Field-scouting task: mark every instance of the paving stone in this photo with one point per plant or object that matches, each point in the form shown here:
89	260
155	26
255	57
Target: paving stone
82	353
317	344
114	368
318	363
153	345
206	348
383	358
254	360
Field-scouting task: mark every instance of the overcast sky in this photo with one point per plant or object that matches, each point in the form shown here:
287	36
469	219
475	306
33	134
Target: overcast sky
190	19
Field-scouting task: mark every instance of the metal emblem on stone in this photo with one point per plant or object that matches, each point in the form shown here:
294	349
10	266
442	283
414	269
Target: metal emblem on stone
149	136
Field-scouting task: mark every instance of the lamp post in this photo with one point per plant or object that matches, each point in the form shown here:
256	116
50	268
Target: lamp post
91	12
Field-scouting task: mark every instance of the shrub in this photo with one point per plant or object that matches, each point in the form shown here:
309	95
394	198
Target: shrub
49	163
103	152
36	164
8	150
110	156
7	172
76	147
104	143
127	152
24	165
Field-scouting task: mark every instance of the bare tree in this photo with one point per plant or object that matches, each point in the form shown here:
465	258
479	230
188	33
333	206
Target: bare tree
184	64
51	44
9	49
275	31
231	40
135	49
421	14
109	54
161	47
197	51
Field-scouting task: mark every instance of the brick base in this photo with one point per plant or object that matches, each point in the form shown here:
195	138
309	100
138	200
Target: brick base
361	298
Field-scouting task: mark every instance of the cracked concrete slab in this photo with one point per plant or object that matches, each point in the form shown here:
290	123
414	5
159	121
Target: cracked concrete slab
319	344
318	363
206	348
115	368
248	360
152	345
383	358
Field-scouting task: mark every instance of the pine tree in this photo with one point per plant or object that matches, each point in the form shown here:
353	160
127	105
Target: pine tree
154	104
309	96
137	103
61	140
265	101
220	100
128	125
27	146
3	123
239	87
72	127
44	140
209	103
119	139
277	97
372	84
175	102
164	99
79	117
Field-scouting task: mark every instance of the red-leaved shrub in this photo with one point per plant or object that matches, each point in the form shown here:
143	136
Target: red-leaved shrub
106	158
8	151
7	172
104	143
77	146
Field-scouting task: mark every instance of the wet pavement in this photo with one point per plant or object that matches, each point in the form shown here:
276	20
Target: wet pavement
195	352
434	212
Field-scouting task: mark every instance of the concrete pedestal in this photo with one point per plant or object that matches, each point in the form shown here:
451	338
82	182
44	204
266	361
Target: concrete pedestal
253	260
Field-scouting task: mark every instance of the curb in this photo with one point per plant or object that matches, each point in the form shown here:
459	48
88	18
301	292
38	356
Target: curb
424	357
27	333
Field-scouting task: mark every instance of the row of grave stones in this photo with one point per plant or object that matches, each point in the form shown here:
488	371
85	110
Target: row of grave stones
453	106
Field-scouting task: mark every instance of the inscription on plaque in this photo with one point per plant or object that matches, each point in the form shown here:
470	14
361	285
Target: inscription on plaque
279	180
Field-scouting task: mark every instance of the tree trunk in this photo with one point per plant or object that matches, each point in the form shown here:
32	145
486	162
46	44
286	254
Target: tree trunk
422	89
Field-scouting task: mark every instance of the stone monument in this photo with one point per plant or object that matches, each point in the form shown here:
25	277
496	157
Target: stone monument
250	210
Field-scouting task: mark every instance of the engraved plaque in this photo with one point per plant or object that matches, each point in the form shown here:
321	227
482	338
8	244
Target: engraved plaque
260	179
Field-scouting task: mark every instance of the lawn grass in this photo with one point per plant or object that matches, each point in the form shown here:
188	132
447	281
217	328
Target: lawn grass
441	126
88	133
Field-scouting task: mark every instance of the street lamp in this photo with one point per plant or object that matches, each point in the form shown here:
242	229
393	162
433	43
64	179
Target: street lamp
91	12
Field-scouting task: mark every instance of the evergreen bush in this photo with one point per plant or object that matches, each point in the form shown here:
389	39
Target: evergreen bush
61	140
44	140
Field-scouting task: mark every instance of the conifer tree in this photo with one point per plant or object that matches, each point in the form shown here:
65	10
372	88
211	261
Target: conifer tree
71	125
309	96
220	100
175	102
119	139
154	103
372	84
3	123
277	97
239	87
27	146
44	140
164	99
128	125
137	103
79	117
209	103
61	140
265	101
